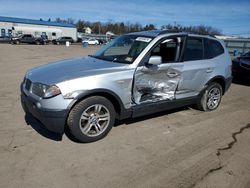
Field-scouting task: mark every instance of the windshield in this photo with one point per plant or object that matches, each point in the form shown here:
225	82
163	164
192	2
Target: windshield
124	49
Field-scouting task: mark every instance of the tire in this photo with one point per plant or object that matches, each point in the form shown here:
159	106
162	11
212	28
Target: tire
17	42
91	119
37	43
57	43
211	97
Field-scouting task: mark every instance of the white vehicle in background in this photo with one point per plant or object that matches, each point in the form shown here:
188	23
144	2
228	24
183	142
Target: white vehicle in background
51	33
91	41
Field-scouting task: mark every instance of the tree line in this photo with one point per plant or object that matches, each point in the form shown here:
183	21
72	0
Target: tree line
119	28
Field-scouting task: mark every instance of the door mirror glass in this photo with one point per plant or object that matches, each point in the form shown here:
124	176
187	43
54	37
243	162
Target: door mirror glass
155	60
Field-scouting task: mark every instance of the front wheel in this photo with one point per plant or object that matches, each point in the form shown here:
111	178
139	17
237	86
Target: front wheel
211	97
91	119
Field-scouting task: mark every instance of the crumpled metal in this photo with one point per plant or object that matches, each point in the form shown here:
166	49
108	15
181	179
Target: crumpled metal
155	86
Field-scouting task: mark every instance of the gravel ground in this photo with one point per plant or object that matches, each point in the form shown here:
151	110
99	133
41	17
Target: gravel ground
178	148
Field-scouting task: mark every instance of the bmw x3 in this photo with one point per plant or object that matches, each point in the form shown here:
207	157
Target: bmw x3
134	75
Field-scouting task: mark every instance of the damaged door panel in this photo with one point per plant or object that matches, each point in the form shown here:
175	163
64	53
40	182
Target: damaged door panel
155	82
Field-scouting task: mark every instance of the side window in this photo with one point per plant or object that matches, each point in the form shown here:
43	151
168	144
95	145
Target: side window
53	34
207	52
2	32
215	48
168	49
193	50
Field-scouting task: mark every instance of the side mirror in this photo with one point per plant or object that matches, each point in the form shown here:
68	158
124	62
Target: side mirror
155	60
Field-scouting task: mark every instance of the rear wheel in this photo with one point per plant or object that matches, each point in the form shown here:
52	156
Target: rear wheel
38	42
211	97
91	119
17	42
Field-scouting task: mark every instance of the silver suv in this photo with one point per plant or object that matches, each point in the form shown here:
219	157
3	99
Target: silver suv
134	75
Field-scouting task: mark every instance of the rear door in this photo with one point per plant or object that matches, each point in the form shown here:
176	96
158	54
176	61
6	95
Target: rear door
159	82
197	69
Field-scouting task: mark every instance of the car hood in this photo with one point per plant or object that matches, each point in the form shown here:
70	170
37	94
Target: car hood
69	69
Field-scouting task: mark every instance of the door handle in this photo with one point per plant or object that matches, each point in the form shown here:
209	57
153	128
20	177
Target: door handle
209	70
172	74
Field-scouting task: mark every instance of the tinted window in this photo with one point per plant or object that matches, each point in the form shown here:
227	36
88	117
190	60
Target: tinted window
215	48
207	52
193	50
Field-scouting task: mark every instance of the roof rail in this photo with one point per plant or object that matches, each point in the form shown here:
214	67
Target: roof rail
166	31
183	32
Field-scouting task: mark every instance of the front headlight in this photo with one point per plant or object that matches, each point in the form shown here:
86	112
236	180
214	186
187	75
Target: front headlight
45	91
52	91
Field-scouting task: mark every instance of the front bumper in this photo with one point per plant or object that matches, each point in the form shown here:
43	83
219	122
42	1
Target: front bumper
53	120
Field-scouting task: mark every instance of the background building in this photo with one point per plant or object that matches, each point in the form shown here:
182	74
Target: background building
53	30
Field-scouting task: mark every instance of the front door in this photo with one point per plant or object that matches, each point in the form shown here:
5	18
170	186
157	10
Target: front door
154	83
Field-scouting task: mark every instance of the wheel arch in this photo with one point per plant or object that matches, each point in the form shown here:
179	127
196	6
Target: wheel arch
220	80
110	95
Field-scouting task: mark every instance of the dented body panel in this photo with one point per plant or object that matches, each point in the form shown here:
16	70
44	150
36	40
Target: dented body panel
154	83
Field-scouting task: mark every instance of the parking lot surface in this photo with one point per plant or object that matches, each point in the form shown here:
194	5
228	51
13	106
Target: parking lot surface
178	148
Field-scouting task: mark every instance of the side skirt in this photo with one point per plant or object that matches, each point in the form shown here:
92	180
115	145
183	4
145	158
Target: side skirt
154	107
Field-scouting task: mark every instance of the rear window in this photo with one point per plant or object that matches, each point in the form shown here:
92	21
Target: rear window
193	50
215	48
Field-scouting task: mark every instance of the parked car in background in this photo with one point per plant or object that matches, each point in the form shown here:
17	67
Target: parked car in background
63	40
241	66
79	39
102	41
134	75
91	41
29	39
5	39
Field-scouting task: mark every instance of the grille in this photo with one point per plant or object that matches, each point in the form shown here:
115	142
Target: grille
28	84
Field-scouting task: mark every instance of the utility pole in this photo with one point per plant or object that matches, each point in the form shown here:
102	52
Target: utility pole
99	28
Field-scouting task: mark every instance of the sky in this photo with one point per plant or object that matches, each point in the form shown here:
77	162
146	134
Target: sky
230	16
